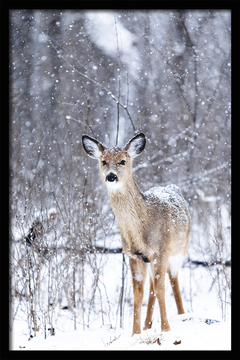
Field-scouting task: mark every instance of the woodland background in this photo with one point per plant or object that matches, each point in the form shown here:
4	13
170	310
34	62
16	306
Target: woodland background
110	74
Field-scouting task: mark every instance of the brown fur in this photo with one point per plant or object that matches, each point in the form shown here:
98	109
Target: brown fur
154	228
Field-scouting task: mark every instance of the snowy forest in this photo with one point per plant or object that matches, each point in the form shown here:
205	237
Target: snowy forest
111	74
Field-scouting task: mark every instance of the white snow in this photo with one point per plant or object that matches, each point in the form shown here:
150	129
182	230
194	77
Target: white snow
191	329
164	192
200	328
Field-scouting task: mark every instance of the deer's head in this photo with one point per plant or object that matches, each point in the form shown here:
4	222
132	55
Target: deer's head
115	163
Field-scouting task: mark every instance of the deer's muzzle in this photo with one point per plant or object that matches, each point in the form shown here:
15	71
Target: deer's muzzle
111	177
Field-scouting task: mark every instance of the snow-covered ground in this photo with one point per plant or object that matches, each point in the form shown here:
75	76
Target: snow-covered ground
201	328
191	329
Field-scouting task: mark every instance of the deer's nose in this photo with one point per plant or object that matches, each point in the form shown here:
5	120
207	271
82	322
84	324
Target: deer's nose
111	177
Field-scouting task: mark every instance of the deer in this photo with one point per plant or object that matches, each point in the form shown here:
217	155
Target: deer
154	226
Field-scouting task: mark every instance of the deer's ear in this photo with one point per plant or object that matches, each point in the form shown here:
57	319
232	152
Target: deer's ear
92	147
136	145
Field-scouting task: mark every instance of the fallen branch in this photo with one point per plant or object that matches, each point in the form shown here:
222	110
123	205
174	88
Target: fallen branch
119	250
205	263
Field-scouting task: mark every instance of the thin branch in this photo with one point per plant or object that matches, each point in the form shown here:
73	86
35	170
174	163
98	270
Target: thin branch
68	117
50	40
203	176
117	123
119	79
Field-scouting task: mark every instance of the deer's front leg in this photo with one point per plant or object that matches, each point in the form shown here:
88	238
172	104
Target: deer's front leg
159	272
138	269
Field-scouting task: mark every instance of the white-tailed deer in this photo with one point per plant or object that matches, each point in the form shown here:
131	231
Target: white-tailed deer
154	226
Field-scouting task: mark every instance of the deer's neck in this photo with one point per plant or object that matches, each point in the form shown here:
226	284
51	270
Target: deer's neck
130	210
127	197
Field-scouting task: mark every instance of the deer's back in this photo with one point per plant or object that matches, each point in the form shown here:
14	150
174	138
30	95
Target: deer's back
169	199
169	215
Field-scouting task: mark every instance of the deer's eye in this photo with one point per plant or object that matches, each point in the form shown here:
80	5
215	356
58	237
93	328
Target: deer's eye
122	162
104	162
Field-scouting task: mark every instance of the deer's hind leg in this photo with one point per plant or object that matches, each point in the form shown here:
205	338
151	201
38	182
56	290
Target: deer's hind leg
151	302
176	292
139	270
